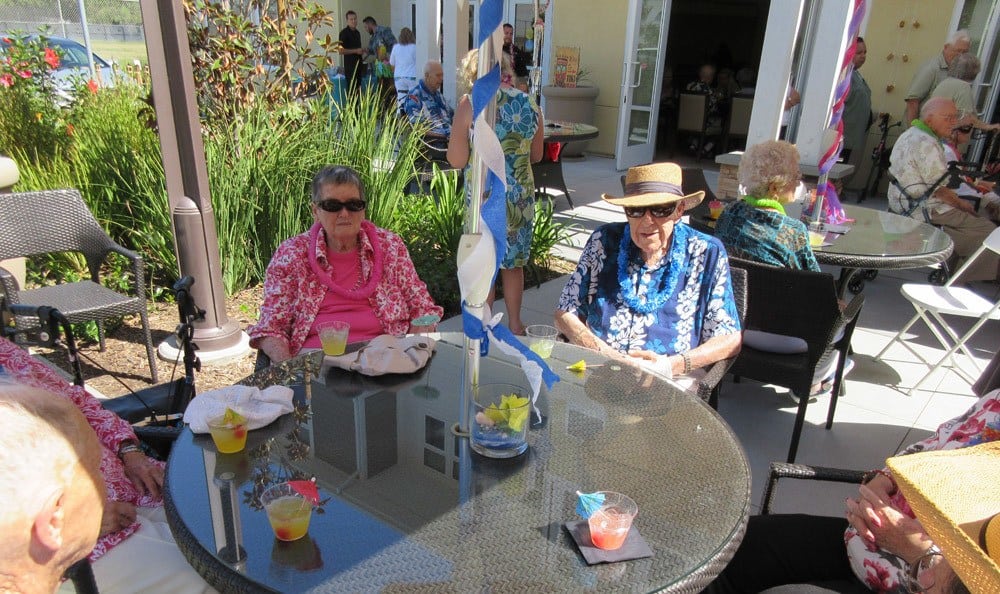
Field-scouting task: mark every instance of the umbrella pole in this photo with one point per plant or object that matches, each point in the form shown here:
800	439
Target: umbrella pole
477	303
817	214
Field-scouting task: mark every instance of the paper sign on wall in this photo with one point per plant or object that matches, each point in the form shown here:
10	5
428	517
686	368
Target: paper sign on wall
567	66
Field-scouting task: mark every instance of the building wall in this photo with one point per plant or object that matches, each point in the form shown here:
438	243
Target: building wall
894	55
599	31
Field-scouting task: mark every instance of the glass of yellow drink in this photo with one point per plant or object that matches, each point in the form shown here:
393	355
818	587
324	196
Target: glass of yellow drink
333	335
541	338
228	433
287	511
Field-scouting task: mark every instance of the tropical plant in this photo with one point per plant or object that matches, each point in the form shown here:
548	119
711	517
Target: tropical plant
546	233
249	51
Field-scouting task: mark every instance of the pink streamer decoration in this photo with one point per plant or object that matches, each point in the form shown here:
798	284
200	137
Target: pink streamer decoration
833	210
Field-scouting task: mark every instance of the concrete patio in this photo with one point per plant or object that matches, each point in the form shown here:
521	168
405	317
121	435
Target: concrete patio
874	419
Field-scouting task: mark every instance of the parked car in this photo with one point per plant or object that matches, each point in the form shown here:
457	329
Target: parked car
73	64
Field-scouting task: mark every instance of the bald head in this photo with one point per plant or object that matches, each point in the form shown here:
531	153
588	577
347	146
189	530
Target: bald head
50	485
940	115
433	75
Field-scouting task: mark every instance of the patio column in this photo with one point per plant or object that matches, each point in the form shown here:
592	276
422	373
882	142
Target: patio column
820	81
776	68
195	240
456	43
428	42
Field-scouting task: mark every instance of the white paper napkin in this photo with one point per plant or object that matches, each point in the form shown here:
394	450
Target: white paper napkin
388	354
260	407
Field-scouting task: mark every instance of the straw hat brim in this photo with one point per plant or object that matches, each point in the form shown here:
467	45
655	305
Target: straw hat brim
954	493
652	199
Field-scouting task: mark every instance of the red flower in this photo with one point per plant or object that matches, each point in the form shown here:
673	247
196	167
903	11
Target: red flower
69	129
51	57
7	80
93	86
24	74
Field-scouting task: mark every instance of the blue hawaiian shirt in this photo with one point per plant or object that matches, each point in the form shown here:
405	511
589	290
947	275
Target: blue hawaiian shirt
765	236
700	305
421	104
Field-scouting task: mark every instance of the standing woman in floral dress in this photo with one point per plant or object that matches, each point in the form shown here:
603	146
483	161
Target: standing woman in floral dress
520	129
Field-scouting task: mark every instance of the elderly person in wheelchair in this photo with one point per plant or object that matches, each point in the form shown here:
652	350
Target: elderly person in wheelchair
917	163
135	551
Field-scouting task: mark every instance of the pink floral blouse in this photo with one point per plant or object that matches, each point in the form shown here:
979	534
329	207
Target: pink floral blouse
293	293
882	571
111	431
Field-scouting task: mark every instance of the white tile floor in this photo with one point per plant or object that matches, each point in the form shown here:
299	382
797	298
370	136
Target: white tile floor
875	418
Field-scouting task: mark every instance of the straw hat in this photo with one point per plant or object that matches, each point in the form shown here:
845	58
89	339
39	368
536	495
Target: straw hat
954	495
656	183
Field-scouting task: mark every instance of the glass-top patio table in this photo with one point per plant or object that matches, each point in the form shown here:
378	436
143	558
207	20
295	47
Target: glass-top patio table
408	506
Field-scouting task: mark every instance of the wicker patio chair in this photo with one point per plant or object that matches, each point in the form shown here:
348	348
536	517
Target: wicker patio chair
36	223
796	303
708	386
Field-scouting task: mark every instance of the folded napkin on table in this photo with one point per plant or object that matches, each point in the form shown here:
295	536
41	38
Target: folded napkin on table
260	407
388	354
634	547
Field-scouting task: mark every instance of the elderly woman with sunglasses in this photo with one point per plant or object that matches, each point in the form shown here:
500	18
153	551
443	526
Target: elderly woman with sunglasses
343	268
652	289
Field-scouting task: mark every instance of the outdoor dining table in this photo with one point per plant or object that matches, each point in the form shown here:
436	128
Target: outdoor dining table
875	240
548	172
406	505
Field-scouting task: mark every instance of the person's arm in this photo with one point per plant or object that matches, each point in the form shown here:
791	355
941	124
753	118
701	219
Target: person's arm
878	522
538	140
912	109
920	88
397	259
576	332
458	143
949	197
273	330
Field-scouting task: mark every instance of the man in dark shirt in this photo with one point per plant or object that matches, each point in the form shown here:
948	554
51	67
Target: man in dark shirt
519	58
350	39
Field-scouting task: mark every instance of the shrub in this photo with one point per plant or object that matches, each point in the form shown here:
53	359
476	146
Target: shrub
32	123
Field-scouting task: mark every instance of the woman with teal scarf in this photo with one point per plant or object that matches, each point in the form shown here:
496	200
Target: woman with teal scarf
756	227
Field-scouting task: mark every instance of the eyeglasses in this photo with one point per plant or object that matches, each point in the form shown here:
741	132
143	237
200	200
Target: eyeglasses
356	205
658	212
925	562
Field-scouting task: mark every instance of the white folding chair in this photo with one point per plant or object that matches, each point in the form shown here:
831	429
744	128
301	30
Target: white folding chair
932	302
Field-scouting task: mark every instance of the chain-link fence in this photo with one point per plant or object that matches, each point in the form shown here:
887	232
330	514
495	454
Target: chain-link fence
107	20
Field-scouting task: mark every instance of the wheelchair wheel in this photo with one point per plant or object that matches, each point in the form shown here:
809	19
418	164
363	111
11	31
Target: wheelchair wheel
870	274
938	277
856	284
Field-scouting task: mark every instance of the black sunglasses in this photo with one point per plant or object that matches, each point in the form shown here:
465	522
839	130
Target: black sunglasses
658	212
336	205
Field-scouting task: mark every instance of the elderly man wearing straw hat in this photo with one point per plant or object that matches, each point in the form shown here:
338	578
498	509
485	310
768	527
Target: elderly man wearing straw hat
653	290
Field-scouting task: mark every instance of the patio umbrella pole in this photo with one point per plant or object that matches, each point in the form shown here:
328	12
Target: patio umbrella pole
476	297
817	213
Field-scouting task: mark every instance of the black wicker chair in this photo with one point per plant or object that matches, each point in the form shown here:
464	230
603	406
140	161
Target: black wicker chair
37	223
796	303
81	574
708	386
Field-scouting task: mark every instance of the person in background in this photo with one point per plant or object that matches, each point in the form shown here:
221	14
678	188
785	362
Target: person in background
792	99
653	291
403	60
350	48
917	161
932	72
424	102
519	58
520	130
51	487
382	40
958	87
706	84
858	115
343	268
973	189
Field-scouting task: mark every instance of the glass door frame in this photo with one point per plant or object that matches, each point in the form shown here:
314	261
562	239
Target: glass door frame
986	87
633	69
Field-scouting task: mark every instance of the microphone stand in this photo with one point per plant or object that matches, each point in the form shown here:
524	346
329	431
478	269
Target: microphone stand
189	313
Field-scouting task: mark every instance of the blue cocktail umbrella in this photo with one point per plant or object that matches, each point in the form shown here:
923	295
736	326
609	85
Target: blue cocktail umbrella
588	503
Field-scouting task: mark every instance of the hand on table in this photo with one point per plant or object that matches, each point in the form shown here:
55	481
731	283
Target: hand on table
146	476
885	526
118	515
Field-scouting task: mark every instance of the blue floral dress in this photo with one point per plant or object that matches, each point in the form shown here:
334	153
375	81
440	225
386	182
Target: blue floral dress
684	301
517	121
